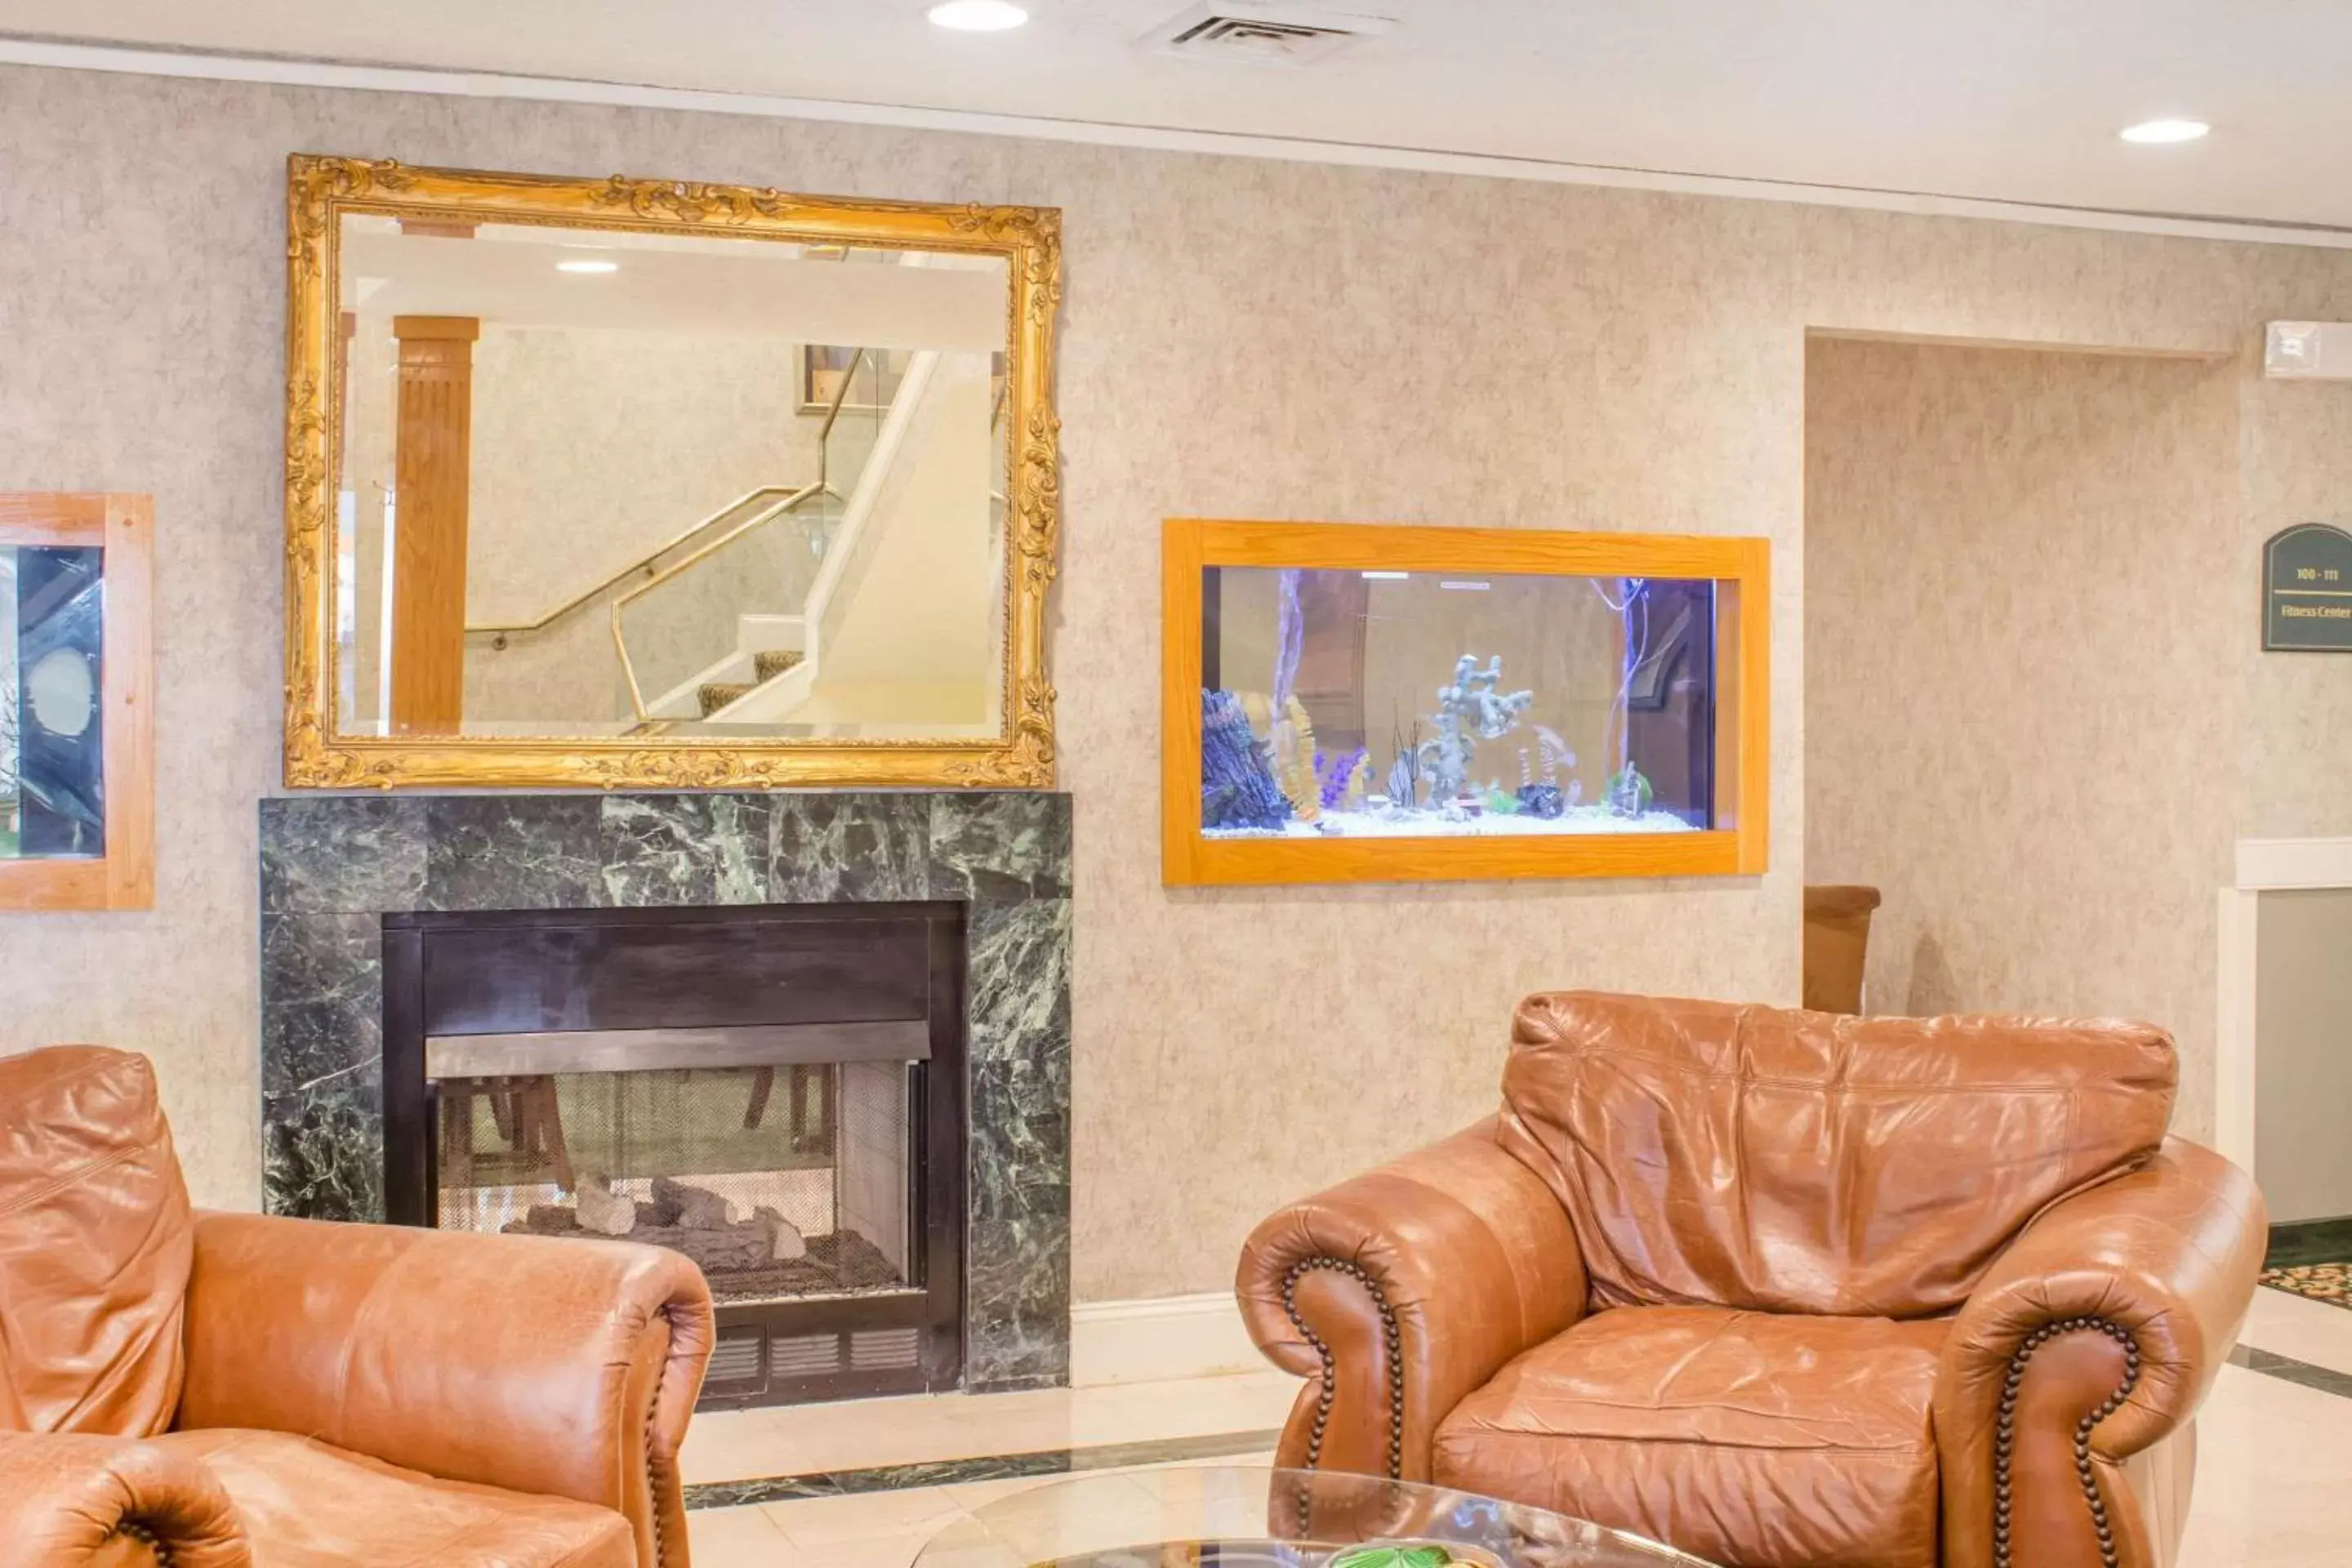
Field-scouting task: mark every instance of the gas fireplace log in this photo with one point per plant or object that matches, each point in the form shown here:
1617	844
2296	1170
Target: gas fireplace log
766	1237
695	1208
714	1251
781	1264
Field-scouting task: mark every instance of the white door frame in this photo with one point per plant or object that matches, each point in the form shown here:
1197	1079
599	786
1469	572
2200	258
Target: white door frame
2263	865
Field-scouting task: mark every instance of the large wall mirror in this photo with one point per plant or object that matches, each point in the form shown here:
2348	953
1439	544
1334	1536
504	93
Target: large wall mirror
643	483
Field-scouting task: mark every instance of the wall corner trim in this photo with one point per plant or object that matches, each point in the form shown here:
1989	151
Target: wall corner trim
2265	865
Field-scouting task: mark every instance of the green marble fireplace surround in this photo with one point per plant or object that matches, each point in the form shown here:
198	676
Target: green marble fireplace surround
334	865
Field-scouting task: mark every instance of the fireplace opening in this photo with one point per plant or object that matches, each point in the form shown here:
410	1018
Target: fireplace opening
776	1092
803	1195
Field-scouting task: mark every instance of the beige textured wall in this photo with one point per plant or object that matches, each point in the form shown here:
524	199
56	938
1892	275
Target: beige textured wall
592	448
2304	1068
2295	447
2023	676
1241	338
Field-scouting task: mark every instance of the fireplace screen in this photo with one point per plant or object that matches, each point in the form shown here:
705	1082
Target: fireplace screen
782	1179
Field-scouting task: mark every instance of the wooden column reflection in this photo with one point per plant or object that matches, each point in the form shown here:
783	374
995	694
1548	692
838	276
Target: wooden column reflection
433	468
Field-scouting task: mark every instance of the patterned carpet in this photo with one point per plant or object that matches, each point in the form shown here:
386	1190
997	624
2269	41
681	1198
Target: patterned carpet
2328	1282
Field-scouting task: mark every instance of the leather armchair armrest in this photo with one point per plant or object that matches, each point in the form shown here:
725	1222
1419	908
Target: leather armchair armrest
1399	1293
72	1502
2093	1337
562	1367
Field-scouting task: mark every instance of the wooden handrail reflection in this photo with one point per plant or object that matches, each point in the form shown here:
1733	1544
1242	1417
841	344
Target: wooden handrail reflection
644	563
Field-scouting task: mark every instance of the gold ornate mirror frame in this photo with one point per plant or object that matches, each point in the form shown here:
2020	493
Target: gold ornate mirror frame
321	190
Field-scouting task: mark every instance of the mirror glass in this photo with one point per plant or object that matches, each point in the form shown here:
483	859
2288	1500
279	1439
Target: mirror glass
52	751
612	483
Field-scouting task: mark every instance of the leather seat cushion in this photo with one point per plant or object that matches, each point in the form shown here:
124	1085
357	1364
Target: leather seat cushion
1750	1440
307	1505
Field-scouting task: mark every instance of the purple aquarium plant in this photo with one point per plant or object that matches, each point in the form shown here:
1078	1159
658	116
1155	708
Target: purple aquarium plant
1335	772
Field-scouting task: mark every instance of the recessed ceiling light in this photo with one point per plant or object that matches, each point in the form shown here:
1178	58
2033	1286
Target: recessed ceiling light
1386	576
978	16
2151	133
587	267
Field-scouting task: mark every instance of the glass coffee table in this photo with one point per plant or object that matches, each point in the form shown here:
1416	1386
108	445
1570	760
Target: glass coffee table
1241	1516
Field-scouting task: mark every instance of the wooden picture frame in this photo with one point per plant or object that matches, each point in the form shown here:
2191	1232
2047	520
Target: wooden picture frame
1737	843
124	878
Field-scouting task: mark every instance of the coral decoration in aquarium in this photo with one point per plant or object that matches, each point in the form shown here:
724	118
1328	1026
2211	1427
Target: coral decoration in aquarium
1380	704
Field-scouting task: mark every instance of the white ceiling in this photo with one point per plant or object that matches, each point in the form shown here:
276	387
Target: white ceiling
2008	100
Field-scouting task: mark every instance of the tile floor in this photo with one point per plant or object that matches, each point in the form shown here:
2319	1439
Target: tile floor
1233	1417
2274	1485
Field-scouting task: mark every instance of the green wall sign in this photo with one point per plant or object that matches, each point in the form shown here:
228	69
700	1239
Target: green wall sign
2307	589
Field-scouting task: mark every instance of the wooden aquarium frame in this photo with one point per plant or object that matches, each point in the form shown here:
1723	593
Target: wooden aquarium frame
1737	846
124	876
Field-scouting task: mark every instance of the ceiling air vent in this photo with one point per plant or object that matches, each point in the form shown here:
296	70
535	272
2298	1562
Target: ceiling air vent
1255	34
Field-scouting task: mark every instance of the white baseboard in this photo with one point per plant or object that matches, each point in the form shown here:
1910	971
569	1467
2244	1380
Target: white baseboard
1159	1339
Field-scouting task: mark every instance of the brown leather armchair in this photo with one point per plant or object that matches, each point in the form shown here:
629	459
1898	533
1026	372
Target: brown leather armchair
1784	1289
193	1390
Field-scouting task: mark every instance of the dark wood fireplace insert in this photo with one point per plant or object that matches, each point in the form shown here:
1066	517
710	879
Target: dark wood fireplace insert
776	1092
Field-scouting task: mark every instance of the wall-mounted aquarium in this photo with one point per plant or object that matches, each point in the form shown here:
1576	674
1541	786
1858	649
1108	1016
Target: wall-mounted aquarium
1359	704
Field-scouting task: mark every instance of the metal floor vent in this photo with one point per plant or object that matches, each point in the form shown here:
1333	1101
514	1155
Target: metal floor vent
735	1358
796	1356
1260	35
804	1355
872	1350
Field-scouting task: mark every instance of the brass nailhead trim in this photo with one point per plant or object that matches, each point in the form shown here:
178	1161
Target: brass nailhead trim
1329	1388
653	1478
652	1487
2004	1432
146	1537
